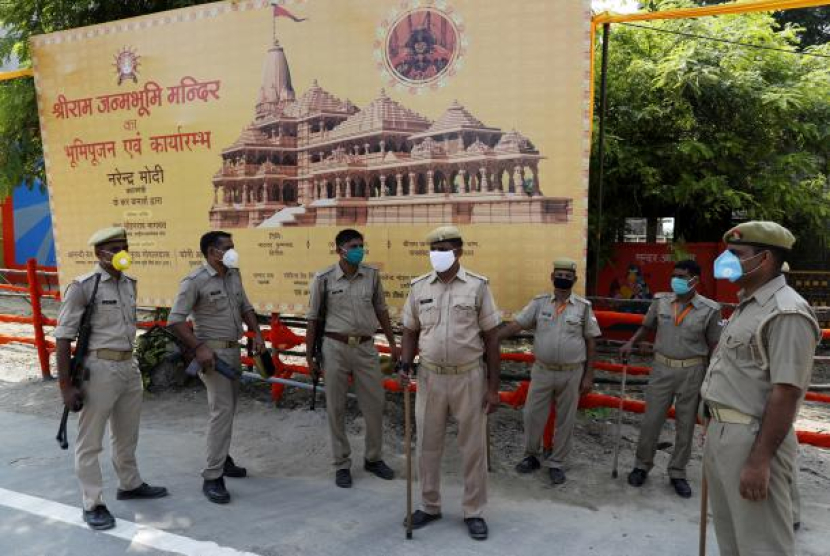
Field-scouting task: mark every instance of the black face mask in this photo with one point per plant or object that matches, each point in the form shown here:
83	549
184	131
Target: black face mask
563	283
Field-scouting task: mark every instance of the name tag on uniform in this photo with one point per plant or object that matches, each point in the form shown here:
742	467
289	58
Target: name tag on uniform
544	315
217	292
424	301
334	292
109	302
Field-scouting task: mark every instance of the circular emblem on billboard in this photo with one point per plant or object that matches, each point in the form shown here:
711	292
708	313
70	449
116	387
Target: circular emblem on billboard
421	46
126	65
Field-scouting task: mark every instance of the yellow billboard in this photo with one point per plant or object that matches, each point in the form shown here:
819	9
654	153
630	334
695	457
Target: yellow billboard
285	122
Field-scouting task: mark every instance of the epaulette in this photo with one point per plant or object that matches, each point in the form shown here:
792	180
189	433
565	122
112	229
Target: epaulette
84	277
711	303
581	299
663	295
370	267
542	296
789	300
479	276
325	271
128	277
419	278
194	273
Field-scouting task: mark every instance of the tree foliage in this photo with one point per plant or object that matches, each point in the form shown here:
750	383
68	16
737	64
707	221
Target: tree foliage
21	151
706	131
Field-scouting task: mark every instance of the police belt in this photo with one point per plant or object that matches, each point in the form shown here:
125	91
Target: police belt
346	339
449	369
113	354
221	344
678	363
560	366
728	415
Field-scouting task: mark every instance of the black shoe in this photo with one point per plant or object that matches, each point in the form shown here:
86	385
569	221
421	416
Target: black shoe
379	469
477	528
557	476
232	470
215	491
145	491
682	488
421	519
99	518
637	477
343	478
528	465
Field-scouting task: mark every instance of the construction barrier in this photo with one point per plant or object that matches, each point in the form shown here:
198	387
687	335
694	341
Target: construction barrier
35	293
282	338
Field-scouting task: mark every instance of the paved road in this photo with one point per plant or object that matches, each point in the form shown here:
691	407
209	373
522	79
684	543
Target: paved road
274	516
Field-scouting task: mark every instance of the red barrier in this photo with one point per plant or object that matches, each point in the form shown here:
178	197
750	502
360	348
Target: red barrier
37	320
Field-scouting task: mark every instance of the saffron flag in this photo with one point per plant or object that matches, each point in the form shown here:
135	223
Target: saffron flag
279	11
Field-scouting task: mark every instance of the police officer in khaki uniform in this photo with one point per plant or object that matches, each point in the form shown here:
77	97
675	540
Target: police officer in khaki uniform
564	346
450	317
354	305
753	390
112	389
688	327
213	297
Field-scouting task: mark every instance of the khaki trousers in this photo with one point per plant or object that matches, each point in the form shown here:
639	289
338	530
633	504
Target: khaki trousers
222	395
462	397
341	361
112	394
667	385
562	387
742	527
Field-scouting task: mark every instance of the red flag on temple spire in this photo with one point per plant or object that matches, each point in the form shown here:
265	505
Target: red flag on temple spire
279	11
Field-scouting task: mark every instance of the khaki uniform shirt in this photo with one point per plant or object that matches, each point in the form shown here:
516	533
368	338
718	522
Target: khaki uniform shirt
697	333
114	317
351	303
451	316
742	371
560	337
215	303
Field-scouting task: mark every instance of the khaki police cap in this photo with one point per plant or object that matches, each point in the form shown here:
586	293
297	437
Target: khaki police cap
564	264
107	234
760	233
443	233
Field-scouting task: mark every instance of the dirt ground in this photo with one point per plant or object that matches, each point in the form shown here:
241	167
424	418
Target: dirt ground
288	440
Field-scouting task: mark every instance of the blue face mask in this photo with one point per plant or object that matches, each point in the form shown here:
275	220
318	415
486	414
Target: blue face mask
728	267
680	286
354	256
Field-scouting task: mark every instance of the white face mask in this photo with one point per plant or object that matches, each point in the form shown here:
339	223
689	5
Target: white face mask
231	258
441	260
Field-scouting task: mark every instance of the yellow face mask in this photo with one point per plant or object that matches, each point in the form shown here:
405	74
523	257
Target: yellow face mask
122	260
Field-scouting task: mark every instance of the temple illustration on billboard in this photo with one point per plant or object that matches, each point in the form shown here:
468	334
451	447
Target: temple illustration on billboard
317	160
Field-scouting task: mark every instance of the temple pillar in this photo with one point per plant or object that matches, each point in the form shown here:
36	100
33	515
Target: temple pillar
534	169
382	183
349	187
430	182
413	184
485	185
462	176
399	185
337	182
382	147
518	178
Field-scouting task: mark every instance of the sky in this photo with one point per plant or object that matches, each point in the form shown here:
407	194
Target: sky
618	6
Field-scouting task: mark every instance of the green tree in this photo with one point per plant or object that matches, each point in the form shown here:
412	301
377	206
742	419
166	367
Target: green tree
21	151
706	131
812	24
